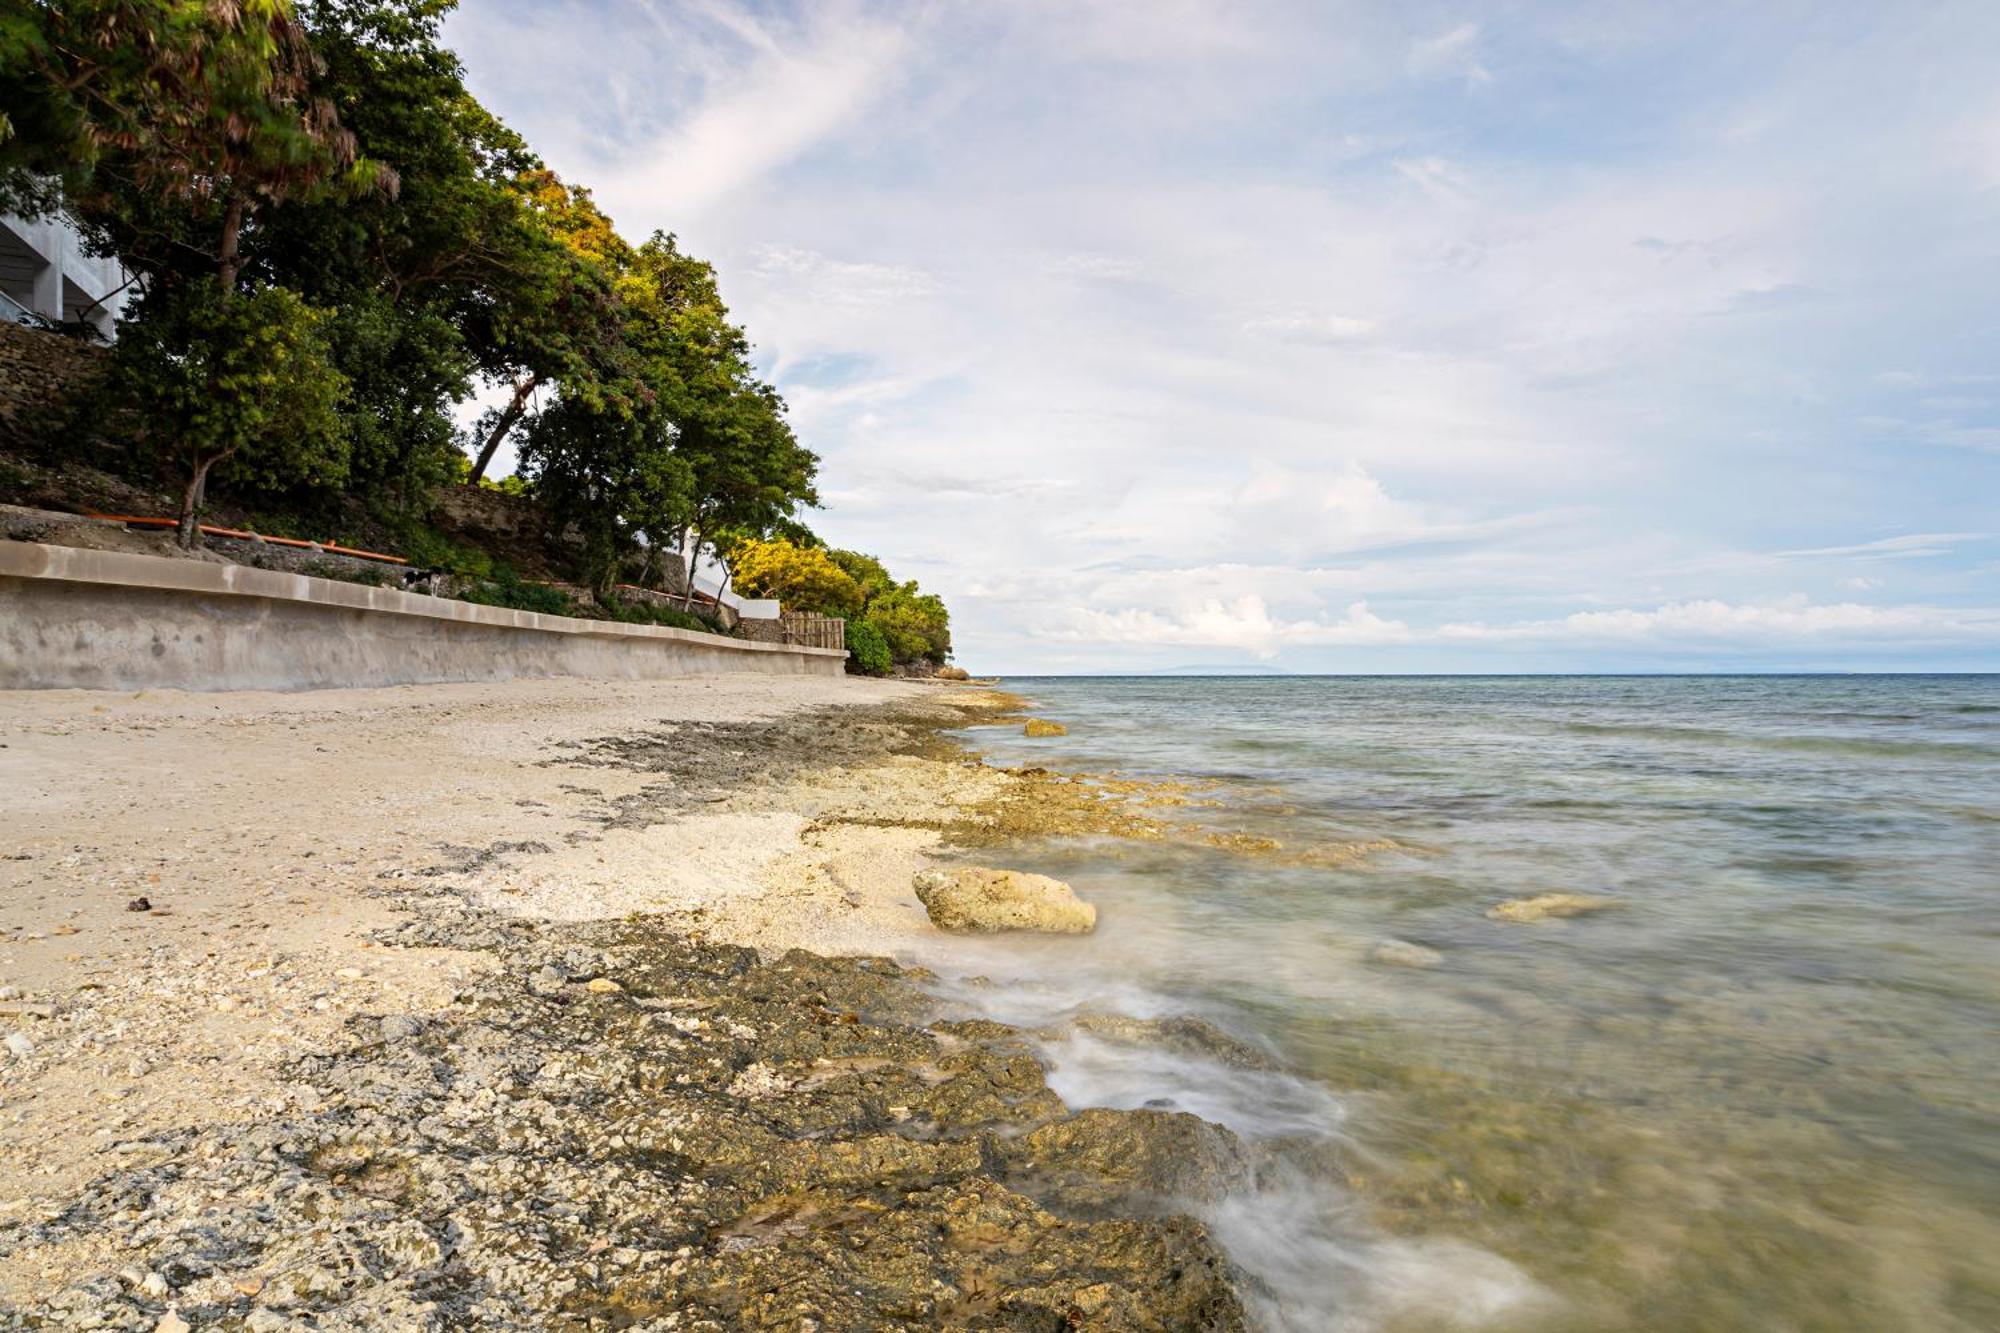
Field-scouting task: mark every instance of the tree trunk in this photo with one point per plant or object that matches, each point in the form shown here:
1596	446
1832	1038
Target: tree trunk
231	257
189	531
690	557
515	407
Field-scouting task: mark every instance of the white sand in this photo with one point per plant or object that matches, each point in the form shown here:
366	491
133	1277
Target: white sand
258	823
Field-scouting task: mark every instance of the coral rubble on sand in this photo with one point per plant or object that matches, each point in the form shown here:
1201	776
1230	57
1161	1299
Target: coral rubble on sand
710	1142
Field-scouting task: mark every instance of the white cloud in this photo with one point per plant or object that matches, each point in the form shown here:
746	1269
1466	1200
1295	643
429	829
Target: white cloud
1452	52
1908	546
1243	623
1301	326
795	90
815	277
1438	179
1706	623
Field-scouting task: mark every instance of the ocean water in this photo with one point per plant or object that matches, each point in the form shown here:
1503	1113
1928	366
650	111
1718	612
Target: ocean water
1761	1092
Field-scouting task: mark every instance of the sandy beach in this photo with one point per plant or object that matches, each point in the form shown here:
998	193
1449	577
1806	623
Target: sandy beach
220	914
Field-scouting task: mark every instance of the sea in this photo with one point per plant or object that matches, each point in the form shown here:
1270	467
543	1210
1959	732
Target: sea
1760	1089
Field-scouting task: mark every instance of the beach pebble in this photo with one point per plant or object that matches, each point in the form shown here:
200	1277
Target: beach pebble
603	986
400	1027
1547	906
19	1046
1402	953
171	1322
547	979
976	899
154	1285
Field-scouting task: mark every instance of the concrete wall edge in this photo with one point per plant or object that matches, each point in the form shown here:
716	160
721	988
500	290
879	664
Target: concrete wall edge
125	569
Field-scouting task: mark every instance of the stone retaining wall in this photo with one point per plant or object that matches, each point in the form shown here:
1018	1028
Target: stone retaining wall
40	375
73	618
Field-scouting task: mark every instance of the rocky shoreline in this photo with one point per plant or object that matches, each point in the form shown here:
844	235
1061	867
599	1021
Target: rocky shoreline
611	1124
623	1127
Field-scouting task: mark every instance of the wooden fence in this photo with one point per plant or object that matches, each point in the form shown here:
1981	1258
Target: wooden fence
809	631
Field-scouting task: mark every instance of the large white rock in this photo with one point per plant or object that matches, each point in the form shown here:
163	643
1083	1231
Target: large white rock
968	899
1548	906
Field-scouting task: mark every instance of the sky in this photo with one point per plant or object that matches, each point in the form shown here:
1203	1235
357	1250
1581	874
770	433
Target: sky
1346	337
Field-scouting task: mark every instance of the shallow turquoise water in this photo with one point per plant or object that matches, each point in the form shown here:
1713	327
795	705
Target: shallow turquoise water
1760	1093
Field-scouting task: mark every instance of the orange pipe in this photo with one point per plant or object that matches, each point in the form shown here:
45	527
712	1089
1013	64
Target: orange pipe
251	536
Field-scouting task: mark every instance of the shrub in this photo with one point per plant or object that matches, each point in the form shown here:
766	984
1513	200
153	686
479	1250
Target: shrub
650	613
867	650
428	548
509	591
914	624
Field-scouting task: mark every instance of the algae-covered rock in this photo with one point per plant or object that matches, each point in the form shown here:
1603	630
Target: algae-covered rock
721	1142
1402	953
1547	906
1098	1159
1041	726
953	673
975	899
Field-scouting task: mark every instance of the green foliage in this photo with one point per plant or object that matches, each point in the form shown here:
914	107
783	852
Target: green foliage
404	368
867	650
248	381
915	625
508	591
867	572
427	548
638	612
802	578
168	122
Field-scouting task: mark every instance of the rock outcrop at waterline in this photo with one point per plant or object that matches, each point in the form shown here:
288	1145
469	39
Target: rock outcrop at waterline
717	1143
974	899
1041	726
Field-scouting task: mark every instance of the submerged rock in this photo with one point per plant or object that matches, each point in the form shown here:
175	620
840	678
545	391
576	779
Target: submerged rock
1040	726
1402	953
1544	906
974	899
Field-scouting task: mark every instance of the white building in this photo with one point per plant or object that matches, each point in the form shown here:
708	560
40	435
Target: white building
44	271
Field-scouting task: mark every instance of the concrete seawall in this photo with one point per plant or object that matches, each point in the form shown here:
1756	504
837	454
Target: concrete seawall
79	619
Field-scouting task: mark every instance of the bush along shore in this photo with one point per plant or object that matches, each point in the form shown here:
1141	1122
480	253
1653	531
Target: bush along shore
630	1123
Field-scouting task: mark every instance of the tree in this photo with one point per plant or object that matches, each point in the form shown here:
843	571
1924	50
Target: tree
171	122
803	578
915	624
558	322
247	381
